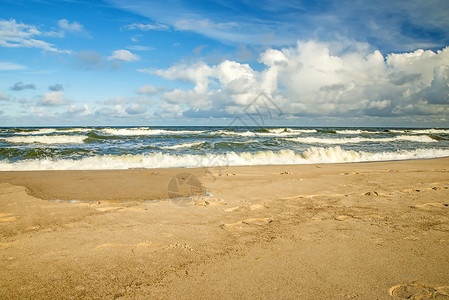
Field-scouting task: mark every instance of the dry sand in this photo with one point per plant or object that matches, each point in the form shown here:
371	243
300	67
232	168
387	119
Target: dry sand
343	231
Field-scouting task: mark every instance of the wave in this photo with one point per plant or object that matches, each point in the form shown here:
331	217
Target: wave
145	131
290	131
275	132
183	145
356	140
336	154
49	130
36	131
421	131
47	139
359	131
164	160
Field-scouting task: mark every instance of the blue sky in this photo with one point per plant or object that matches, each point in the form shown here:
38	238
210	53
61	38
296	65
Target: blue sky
174	62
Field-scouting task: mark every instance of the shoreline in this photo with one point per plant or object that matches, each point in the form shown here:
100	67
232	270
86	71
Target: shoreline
376	230
152	184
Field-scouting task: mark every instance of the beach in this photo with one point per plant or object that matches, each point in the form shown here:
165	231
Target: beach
375	230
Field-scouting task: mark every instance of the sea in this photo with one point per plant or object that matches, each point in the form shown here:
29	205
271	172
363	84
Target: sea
146	147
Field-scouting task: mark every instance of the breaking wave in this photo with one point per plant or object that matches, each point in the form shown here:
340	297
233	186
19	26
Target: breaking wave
46	139
356	140
183	145
145	131
164	160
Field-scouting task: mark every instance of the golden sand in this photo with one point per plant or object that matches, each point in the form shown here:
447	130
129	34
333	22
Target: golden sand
336	231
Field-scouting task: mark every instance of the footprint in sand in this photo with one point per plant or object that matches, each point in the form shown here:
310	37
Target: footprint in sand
431	205
7	218
236	209
117	245
257	221
251	221
419	291
345	218
373	193
4	245
208	202
110	208
246	208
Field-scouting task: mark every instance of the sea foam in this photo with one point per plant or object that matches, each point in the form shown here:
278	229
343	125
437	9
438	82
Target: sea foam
145	131
356	140
164	160
46	139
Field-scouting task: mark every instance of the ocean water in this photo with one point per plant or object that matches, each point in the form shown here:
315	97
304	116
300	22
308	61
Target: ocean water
84	148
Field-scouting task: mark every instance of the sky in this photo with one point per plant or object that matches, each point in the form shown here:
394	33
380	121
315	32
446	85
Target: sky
216	62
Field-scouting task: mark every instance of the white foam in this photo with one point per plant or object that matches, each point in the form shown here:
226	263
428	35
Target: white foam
357	131
47	139
183	145
338	155
52	130
284	131
356	140
431	131
37	131
274	132
163	160
74	130
421	131
145	131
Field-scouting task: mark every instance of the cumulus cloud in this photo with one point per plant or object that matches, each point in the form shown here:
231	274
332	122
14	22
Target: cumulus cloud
123	55
78	110
318	79
53	99
16	35
136	109
71	27
124	107
20	86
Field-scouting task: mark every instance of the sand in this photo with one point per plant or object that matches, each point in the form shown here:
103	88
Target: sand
330	231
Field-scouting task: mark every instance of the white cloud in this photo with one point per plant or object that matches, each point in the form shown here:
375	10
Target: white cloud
318	79
124	107
4	97
7	66
123	55
53	99
15	35
136	109
149	89
379	104
147	27
79	110
71	27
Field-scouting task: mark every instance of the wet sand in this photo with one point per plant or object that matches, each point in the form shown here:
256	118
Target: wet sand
331	231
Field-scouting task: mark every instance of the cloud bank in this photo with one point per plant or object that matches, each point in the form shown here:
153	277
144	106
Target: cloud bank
315	79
